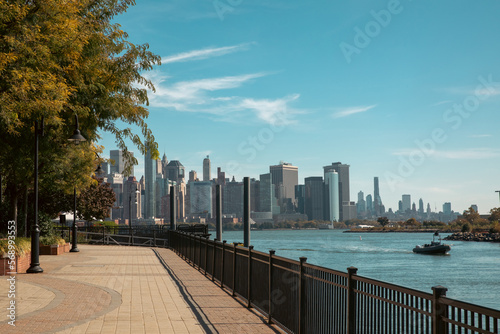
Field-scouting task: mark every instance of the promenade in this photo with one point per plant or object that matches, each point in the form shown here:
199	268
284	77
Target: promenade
119	289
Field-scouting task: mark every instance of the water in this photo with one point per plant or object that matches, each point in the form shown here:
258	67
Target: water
471	271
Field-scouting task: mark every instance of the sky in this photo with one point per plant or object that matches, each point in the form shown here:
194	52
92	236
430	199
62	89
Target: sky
408	91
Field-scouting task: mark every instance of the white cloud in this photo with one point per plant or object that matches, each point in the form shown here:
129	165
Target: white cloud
353	110
480	136
204	53
274	112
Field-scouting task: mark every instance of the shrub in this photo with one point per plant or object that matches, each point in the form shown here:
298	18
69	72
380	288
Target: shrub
495	228
51	240
21	246
466	227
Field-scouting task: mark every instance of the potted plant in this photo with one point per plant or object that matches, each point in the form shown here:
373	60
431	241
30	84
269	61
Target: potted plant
15	256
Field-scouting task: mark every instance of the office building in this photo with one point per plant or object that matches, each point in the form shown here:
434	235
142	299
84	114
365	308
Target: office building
117	163
314	197
447	208
232	198
344	190
175	171
206	169
421	206
150	186
332	197
300	197
115	181
406	203
369	204
265	193
361	205
285	177
193	176
200	197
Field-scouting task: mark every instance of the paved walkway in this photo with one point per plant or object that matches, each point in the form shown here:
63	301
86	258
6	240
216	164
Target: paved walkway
118	289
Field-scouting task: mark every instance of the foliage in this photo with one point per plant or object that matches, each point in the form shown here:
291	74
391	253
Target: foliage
59	59
494	215
95	201
466	227
45	224
471	215
383	221
48	240
21	246
495	228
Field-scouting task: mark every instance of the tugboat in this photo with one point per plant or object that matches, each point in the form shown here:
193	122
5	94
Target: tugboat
435	247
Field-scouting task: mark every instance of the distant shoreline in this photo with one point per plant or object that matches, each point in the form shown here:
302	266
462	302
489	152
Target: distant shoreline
399	231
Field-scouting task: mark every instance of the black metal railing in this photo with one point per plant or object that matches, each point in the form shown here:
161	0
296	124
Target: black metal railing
303	298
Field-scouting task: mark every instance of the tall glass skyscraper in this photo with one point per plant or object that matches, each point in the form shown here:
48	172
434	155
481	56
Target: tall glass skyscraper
150	184
332	191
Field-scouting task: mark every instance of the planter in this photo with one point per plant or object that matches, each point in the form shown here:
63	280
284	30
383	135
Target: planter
51	250
65	247
21	264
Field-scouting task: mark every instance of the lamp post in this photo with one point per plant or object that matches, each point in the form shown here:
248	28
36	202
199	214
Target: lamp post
35	230
498	191
130	208
76	138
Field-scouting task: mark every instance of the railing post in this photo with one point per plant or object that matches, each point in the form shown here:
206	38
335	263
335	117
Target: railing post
246	211
271	253
302	299
213	258
206	254
351	300
103	230
234	270
222	264
218	212
154	237
439	310
199	253
249	304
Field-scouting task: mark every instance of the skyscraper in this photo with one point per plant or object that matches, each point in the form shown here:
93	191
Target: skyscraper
406	201
314	197
447	208
421	206
193	176
285	177
376	194
150	185
361	204
201	197
332	196
344	190
117	164
206	169
175	171
369	204
265	193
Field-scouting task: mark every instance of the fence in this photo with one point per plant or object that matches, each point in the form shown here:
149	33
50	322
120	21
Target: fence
137	236
304	298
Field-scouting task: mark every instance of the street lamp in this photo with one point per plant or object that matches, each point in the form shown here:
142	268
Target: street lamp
35	230
76	138
130	209
498	191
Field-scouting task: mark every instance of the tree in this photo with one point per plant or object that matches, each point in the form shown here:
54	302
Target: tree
96	201
494	215
59	59
383	221
471	215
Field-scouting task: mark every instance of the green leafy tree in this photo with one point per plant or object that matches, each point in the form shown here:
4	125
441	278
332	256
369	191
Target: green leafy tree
383	221
494	215
471	215
58	59
95	202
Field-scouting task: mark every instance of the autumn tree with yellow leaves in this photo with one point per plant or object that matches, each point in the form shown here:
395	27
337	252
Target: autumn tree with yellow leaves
58	59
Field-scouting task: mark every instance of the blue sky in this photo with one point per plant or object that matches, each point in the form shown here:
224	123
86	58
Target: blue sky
408	91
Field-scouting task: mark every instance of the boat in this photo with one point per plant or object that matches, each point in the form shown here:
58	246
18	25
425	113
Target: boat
435	247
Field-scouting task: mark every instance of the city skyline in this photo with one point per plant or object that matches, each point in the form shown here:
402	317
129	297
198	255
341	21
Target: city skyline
413	100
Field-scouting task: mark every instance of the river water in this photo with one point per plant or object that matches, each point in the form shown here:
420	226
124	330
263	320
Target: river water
471	271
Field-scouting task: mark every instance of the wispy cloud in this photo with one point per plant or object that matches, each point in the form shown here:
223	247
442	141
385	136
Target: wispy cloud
480	136
275	112
441	103
351	111
466	154
205	53
198	96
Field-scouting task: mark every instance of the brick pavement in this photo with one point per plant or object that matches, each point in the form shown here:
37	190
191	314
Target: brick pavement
117	289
